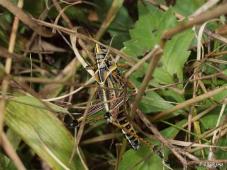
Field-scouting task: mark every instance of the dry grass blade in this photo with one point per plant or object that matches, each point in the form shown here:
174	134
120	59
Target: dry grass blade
109	18
192	144
73	38
180	86
91	80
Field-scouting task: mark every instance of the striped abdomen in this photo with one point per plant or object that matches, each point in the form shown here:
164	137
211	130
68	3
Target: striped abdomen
128	130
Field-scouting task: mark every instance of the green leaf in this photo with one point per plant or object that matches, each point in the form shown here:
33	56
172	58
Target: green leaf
172	95
143	159
172	131
35	8
42	131
188	6
6	163
176	53
161	76
225	72
5	25
220	153
13	138
148	29
147	32
220	96
209	121
153	102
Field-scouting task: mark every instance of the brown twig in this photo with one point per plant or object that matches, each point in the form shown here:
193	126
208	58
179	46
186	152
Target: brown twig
208	15
204	7
200	115
157	134
154	61
138	64
6	54
216	36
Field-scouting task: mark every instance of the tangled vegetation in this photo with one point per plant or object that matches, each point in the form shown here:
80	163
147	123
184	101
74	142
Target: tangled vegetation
165	65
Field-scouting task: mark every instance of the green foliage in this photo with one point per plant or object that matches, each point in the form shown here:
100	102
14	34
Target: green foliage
148	29
225	71
6	163
76	12
209	121
146	33
36	7
5	20
220	153
153	102
173	130
161	76
32	127
221	96
187	7
42	131
143	159
176	54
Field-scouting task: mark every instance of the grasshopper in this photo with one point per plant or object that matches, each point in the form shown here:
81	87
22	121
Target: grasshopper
112	91
113	87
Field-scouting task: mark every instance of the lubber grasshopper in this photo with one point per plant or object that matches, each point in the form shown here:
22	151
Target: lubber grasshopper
112	92
113	87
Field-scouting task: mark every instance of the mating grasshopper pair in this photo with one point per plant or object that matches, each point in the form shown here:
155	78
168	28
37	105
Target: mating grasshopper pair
112	92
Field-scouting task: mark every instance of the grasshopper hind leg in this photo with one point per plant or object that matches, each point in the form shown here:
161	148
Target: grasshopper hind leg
133	141
129	131
126	127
